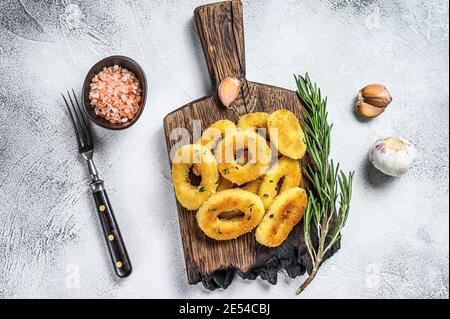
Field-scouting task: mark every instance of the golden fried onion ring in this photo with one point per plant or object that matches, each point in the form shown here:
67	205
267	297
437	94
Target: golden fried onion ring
192	197
210	215
286	211
253	121
286	169
290	141
259	157
216	132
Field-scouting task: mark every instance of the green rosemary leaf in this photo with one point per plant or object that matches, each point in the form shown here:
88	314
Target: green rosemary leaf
330	191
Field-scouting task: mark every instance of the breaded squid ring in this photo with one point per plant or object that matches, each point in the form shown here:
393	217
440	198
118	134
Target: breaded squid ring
192	197
286	211
253	121
224	184
210	216
259	157
286	169
253	186
216	132
290	141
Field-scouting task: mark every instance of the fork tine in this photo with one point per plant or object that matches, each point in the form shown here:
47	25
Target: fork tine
84	122
83	137
74	123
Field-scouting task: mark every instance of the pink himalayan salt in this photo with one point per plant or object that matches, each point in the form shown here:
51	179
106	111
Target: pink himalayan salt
115	94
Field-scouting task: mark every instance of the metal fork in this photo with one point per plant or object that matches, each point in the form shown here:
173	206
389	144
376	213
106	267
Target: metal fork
116	246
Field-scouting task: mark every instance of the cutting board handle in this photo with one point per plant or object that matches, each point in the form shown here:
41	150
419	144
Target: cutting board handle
221	29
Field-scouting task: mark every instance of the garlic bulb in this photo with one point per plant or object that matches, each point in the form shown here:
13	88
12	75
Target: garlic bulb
392	155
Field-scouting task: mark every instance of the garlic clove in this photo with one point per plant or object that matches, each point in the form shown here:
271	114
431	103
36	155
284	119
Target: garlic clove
376	95
392	155
369	111
229	90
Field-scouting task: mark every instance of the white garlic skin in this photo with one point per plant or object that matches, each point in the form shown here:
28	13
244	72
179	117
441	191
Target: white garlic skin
392	155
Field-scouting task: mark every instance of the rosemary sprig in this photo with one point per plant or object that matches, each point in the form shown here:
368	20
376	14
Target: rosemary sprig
331	189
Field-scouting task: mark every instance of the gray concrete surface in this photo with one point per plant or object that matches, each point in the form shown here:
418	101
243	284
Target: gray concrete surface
396	243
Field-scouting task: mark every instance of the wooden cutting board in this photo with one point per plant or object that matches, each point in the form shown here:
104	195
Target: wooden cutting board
221	30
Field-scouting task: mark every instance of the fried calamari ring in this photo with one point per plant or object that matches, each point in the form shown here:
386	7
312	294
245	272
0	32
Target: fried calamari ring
286	211
224	184
259	157
211	220
253	186
290	141
287	171
212	135
253	121
192	197
216	132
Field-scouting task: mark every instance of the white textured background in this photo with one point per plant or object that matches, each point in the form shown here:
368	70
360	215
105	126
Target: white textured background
396	243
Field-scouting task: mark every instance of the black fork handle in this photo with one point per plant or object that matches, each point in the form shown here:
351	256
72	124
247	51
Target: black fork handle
116	246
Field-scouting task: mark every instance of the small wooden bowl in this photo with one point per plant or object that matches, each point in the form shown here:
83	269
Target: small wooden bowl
126	63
